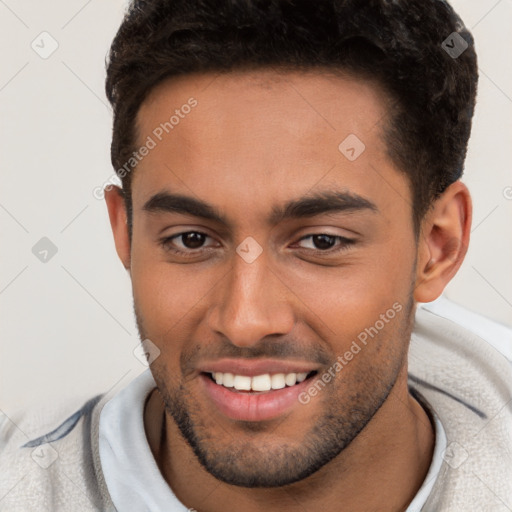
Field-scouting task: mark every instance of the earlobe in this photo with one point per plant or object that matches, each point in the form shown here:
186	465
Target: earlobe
119	223
443	242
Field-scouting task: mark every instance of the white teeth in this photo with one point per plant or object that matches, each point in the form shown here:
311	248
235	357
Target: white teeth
261	383
228	380
290	379
300	377
242	383
264	382
278	381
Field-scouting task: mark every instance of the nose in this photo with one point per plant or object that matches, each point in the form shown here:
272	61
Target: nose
250	303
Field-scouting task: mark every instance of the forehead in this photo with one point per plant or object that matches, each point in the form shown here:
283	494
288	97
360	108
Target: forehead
296	104
247	137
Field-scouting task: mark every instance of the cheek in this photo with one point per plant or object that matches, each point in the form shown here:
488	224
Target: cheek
160	290
170	297
371	291
165	308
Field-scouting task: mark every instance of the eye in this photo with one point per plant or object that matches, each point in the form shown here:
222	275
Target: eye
324	242
191	243
186	242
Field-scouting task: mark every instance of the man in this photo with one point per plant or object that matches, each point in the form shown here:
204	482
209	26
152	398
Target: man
290	193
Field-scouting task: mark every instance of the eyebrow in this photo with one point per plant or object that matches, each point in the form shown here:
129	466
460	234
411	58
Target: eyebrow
309	205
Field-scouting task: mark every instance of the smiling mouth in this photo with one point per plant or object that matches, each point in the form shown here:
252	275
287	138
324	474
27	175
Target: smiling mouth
259	384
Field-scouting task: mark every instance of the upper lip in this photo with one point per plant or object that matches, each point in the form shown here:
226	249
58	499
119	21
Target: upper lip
253	367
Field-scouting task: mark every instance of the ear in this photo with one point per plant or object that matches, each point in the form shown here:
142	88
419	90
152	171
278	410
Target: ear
443	242
119	222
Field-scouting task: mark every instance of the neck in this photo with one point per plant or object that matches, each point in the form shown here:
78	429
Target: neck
381	469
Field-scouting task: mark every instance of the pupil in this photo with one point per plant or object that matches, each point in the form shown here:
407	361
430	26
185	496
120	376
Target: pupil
193	240
323	241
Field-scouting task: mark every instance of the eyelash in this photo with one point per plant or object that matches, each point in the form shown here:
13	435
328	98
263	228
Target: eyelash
343	246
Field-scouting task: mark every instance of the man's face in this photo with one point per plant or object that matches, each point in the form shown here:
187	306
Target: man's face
266	289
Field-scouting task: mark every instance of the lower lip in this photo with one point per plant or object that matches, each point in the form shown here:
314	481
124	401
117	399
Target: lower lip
253	406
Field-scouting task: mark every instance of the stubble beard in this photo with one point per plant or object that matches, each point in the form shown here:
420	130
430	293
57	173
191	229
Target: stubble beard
251	457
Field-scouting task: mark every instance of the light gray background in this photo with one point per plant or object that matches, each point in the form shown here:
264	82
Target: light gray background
67	326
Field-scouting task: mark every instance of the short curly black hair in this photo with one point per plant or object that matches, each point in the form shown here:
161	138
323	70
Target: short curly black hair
402	45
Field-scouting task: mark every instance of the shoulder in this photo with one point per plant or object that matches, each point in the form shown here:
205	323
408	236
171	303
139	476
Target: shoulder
460	363
46	457
494	333
461	354
447	335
